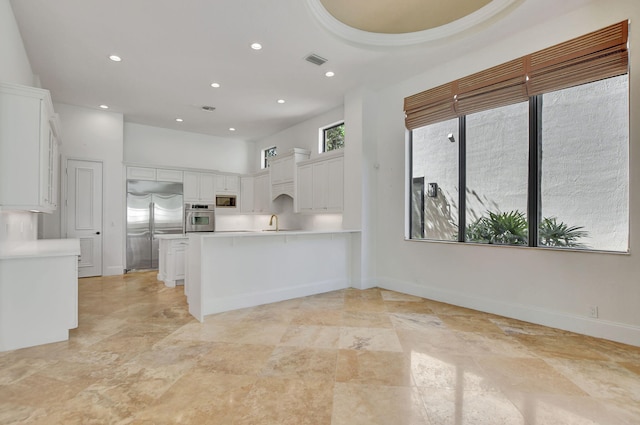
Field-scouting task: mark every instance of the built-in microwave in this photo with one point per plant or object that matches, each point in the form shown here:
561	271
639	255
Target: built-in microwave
199	218
225	201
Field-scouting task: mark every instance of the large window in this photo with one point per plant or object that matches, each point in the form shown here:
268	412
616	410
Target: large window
534	152
579	197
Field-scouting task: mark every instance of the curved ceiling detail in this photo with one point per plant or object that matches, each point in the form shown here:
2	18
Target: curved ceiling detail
405	23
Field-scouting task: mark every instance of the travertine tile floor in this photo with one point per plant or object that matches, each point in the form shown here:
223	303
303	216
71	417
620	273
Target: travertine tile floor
347	357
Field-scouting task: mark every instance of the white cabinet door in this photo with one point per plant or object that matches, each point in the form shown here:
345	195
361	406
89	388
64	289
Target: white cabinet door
262	194
141	173
335	184
179	254
163	175
320	186
232	184
227	184
246	194
220	182
26	149
207	192
304	192
191	186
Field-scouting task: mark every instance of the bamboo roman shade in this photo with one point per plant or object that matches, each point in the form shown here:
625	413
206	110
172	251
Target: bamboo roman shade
594	56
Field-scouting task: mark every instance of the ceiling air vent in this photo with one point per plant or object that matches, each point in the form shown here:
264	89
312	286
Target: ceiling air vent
315	59
208	108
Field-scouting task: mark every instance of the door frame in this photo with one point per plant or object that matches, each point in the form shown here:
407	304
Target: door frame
63	201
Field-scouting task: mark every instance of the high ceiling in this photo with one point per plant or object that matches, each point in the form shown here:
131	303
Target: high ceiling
400	16
172	51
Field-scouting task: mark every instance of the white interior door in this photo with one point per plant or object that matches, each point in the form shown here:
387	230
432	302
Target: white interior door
84	213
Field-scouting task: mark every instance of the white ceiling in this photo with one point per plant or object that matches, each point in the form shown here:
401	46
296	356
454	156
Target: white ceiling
173	50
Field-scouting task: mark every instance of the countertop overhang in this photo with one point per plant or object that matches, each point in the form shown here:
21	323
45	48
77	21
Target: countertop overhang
266	233
250	233
39	248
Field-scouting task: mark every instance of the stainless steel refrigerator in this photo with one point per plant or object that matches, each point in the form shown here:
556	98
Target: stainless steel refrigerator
153	208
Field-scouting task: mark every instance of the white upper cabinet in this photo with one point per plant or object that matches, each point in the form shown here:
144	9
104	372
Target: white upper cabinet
29	158
199	187
156	174
320	185
304	189
246	194
261	194
227	184
175	176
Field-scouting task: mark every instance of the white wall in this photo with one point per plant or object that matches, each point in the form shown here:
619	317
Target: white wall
14	68
303	135
164	147
98	135
548	287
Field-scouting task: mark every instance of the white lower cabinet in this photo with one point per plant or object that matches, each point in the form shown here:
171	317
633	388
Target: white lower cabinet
320	185
171	266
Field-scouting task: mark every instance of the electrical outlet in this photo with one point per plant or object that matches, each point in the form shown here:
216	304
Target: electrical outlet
593	311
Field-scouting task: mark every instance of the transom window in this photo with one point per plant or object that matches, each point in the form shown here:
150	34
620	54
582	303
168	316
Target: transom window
332	137
266	154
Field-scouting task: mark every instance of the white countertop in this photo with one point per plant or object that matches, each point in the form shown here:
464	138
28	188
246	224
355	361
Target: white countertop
262	233
172	236
39	248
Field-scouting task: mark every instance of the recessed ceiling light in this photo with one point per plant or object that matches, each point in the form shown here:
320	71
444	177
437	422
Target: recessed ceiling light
115	58
104	107
232	129
179	119
256	46
215	85
329	74
280	100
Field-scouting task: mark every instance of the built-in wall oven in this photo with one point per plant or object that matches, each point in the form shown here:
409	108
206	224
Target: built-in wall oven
199	218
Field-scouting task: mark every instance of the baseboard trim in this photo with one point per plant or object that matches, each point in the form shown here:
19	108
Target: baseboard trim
112	270
220	304
614	331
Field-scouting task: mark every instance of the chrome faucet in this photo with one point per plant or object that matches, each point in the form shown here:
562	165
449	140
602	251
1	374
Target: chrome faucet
271	221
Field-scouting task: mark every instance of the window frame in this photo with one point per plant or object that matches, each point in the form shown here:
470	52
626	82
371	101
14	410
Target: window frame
534	176
264	158
322	142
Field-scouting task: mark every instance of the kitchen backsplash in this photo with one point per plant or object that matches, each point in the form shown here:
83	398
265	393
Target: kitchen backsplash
18	226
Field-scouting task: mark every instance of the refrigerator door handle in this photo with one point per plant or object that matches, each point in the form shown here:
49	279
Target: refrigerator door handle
152	219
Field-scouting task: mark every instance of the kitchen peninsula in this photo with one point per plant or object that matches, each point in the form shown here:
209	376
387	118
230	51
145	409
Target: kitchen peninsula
232	270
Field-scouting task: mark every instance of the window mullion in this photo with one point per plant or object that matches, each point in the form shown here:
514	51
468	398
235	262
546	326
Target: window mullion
535	154
462	179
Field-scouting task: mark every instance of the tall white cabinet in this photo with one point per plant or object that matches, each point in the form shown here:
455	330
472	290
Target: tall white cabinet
29	149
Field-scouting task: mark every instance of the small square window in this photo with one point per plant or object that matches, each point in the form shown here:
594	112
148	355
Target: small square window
266	154
333	137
